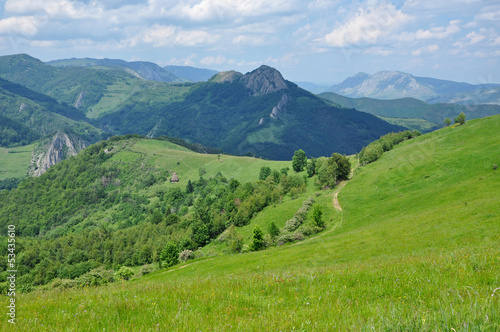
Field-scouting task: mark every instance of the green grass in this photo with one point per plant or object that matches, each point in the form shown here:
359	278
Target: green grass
411	123
14	162
186	163
417	250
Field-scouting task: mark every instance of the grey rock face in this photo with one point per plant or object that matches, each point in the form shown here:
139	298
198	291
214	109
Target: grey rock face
58	148
264	80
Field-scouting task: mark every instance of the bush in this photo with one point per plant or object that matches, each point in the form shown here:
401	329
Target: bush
170	255
97	277
125	273
146	269
186	255
258	239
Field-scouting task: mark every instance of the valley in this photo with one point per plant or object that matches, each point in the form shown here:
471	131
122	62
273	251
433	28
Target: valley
416	249
148	200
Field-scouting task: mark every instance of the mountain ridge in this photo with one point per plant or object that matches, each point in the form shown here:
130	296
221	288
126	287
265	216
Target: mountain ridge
396	84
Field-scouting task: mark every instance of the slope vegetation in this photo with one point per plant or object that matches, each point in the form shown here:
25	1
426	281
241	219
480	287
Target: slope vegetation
417	250
412	113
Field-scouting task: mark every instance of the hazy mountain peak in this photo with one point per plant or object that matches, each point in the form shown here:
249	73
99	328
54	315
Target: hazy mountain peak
383	85
264	80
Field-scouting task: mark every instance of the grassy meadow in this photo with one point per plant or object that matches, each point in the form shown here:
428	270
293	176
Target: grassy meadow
416	247
14	162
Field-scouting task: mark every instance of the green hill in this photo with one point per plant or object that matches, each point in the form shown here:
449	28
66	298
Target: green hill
412	113
415	247
28	115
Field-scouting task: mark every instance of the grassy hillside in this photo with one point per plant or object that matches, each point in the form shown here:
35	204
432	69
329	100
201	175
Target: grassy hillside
417	249
406	111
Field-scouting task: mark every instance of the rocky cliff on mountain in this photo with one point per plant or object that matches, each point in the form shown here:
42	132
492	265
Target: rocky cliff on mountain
264	80
55	149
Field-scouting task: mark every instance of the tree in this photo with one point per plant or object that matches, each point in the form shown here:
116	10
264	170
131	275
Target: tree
299	161
273	230
460	119
447	122
189	187
170	255
343	166
311	167
264	173
258	238
318	216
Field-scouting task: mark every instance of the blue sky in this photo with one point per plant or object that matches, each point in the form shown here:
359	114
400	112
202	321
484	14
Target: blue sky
317	41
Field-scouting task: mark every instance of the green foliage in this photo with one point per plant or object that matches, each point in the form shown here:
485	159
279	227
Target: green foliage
273	230
170	255
124	273
318	216
299	161
460	119
257	239
265	171
447	122
311	167
375	149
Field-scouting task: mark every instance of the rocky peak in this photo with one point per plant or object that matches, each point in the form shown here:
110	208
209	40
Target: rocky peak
226	76
264	80
50	152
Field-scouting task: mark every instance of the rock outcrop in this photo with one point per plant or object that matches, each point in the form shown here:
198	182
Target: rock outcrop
51	151
280	107
264	80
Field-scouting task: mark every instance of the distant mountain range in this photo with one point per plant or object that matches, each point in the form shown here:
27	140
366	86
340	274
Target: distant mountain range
395	84
142	69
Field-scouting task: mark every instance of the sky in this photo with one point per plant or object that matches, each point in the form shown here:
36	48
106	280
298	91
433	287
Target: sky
316	41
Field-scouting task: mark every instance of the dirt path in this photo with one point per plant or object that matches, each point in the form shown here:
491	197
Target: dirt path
181	267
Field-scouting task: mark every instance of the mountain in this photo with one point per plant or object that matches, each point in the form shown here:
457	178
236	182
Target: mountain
395	84
259	113
192	74
407	110
141	69
28	115
94	89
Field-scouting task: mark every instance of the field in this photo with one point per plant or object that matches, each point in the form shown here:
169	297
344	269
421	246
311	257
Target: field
14	162
415	248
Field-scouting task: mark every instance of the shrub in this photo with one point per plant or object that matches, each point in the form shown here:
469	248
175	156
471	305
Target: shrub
257	239
170	255
96	277
146	269
125	273
186	255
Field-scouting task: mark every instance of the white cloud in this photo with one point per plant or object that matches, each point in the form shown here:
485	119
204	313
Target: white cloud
55	8
159	35
206	10
475	37
425	49
211	60
23	25
367	26
432	33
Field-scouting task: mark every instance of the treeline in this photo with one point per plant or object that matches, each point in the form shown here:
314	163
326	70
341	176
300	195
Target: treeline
375	149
